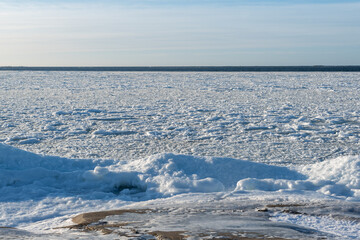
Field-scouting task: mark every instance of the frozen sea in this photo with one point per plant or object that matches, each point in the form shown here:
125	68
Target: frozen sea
74	142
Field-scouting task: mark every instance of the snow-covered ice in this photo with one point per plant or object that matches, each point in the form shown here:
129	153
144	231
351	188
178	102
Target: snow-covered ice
274	118
74	142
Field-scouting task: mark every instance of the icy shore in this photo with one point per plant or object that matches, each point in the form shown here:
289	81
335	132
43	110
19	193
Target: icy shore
281	149
39	193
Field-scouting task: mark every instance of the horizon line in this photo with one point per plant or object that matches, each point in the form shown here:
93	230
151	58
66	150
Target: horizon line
290	68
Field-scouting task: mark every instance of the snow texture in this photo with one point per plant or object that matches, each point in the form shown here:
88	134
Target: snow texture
75	142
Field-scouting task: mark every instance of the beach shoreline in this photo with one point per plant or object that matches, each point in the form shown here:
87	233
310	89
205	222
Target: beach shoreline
218	220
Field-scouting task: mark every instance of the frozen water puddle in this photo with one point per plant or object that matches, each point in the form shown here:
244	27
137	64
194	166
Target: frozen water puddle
221	222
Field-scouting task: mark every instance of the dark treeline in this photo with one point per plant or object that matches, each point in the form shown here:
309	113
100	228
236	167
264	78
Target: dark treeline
319	68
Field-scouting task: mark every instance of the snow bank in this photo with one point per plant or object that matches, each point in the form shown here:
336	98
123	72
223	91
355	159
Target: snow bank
171	174
340	176
24	175
335	177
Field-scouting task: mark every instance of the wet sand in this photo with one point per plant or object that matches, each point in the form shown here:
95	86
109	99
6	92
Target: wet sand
195	223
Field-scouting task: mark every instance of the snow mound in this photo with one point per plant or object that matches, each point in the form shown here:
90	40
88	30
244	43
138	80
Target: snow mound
25	175
335	177
339	175
171	174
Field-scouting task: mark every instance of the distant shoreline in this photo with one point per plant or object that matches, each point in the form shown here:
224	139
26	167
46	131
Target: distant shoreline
315	68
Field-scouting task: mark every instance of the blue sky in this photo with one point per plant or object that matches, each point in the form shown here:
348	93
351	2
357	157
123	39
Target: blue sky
185	33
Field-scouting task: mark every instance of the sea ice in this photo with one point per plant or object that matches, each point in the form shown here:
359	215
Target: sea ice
287	144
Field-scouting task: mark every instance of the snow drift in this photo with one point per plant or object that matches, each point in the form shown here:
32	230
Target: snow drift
28	175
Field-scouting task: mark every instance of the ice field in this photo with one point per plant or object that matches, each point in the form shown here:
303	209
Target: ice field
285	118
75	142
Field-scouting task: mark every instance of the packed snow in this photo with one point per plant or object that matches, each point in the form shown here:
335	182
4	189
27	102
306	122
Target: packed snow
37	188
74	142
29	176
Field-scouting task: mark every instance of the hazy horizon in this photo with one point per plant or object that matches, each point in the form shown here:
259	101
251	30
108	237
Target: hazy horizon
179	33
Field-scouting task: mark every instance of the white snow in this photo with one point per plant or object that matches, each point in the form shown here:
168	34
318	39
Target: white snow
274	118
28	175
339	175
113	132
42	188
91	141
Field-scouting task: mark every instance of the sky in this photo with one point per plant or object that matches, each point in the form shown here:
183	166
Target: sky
179	33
